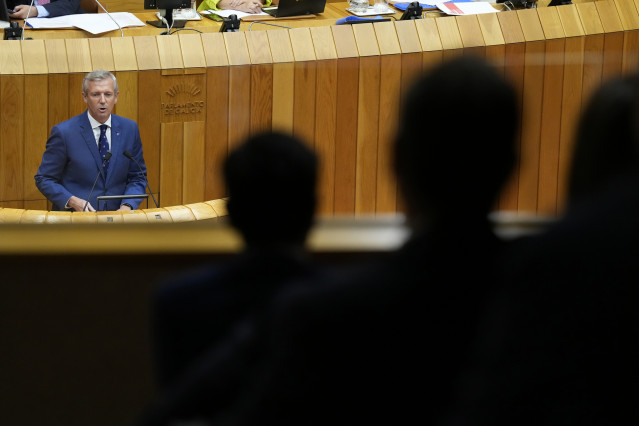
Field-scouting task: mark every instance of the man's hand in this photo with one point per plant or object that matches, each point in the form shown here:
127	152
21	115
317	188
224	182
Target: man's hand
248	6
77	204
21	12
124	208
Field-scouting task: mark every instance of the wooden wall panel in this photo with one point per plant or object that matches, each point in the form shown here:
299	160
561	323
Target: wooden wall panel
325	133
551	111
325	120
36	132
261	98
571	100
346	125
346	119
12	124
367	135
76	101
629	17
193	181
613	40
283	80
171	164
128	101
101	54
149	124
216	139
239	105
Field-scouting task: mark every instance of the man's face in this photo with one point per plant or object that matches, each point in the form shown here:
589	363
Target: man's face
100	98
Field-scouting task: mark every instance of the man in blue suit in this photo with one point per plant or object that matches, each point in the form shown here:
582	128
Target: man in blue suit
88	152
44	8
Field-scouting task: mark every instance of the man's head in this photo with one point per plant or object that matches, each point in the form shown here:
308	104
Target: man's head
271	180
456	140
100	93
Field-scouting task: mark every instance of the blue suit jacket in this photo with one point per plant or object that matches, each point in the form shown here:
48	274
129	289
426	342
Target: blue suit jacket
71	162
55	8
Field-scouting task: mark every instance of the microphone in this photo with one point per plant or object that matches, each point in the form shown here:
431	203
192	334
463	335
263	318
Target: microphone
107	157
24	26
107	12
128	155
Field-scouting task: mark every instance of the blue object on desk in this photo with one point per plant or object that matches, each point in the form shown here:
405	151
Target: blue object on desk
360	20
403	6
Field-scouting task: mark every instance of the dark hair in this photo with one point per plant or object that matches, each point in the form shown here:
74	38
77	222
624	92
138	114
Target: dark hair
607	138
456	142
271	180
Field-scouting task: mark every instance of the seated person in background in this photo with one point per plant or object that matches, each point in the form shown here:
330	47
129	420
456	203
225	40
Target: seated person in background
560	347
384	342
248	6
271	181
43	8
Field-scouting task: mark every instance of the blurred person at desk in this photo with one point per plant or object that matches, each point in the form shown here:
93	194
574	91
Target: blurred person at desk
248	6
43	8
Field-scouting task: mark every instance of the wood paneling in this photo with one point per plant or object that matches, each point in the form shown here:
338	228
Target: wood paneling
339	88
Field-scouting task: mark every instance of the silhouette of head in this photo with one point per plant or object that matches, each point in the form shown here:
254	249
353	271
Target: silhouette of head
456	141
271	180
607	139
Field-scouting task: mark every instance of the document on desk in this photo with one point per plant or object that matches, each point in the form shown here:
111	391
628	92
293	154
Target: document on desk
228	12
94	23
466	8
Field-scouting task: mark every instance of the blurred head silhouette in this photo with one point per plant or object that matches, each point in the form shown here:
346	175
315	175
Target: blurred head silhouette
271	180
607	140
456	141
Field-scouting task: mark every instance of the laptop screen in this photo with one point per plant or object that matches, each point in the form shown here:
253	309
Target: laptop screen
4	13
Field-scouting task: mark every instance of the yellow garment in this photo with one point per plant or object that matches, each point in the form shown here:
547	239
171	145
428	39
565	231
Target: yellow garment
212	4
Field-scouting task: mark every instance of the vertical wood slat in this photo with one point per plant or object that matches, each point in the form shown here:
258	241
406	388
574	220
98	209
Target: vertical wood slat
101	54
305	78
390	87
12	124
367	112
149	111
613	39
240	97
216	143
531	113
35	132
629	17
571	99
217	113
261	81
325	116
551	112
346	119
128	101
283	81
171	163
593	48
193	181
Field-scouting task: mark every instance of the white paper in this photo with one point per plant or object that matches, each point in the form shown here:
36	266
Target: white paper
95	23
228	12
466	8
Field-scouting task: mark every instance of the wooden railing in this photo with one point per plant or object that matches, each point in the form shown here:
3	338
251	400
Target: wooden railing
204	211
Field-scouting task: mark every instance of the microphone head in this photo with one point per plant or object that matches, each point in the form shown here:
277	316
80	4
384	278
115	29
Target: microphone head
107	156
128	155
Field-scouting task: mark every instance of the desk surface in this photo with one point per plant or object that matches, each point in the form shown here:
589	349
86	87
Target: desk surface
332	13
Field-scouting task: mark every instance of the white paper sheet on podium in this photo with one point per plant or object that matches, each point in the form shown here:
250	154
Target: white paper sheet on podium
95	23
